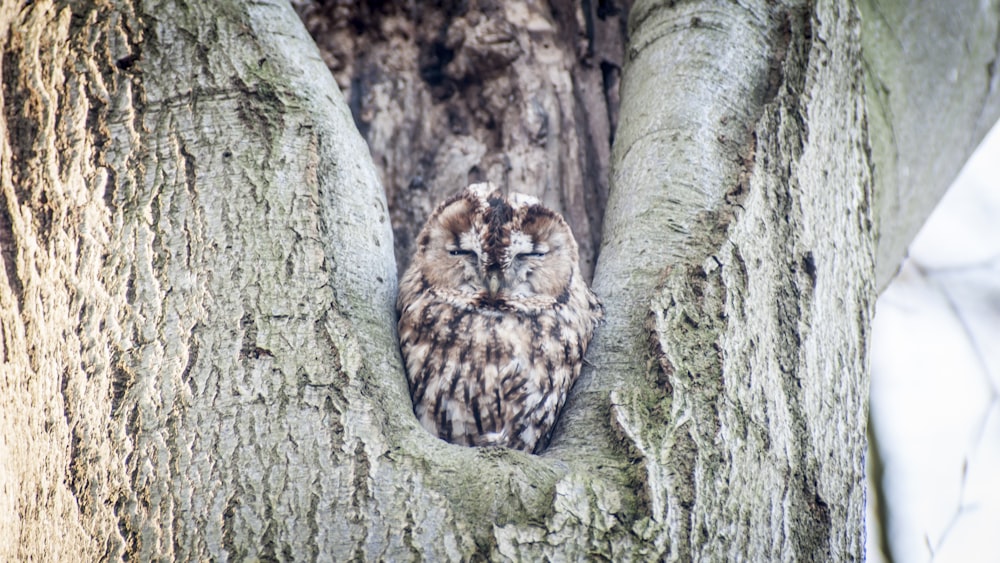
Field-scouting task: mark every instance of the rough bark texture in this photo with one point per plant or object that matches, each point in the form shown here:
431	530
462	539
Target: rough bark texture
523	94
194	239
199	360
747	413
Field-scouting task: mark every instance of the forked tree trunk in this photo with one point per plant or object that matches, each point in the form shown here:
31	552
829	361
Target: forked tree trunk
199	359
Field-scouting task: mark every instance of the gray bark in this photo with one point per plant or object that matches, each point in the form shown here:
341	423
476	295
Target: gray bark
933	90
198	286
199	360
747	417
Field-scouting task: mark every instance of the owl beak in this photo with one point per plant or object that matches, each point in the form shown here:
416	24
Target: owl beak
493	283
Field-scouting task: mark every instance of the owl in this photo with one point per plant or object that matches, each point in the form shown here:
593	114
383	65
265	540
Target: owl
494	320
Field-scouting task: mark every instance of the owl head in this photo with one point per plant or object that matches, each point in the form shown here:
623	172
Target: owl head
494	251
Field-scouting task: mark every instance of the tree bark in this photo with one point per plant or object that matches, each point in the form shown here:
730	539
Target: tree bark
198	286
933	92
196	299
747	417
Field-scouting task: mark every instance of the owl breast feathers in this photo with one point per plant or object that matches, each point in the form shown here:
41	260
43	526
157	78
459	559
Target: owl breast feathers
494	319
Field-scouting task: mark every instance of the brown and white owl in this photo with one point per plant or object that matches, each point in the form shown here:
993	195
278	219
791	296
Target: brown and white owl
494	319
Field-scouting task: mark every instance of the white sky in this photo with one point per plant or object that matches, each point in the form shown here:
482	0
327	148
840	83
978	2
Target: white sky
935	392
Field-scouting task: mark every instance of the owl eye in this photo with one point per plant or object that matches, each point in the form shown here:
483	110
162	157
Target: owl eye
526	255
460	252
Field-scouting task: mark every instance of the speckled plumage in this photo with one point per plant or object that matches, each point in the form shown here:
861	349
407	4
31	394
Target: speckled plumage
494	319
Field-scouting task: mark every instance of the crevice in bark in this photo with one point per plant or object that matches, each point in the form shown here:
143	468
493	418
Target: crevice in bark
76	463
192	359
8	253
793	37
229	523
21	107
458	92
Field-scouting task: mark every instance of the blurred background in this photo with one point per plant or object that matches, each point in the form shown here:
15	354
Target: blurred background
934	459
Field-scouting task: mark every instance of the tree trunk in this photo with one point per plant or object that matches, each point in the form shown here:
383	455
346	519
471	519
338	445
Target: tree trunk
196	299
933	92
197	307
